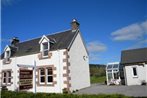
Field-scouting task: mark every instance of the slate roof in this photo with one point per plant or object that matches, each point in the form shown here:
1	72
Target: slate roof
61	40
134	56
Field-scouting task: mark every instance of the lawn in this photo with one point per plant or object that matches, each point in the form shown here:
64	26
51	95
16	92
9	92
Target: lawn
9	94
95	79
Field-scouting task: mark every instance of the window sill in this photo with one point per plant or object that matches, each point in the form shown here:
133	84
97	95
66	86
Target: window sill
135	76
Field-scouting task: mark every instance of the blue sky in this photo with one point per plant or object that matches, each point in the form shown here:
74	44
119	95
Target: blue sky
108	26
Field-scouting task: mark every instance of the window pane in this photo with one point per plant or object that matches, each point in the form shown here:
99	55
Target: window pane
4	74
116	76
42	72
45	46
109	66
42	79
9	73
7	53
50	79
4	80
134	71
50	72
45	52
9	80
115	66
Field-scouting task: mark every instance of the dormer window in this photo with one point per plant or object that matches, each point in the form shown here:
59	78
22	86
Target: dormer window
7	53
45	49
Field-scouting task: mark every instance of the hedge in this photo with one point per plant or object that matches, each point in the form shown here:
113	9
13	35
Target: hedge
10	94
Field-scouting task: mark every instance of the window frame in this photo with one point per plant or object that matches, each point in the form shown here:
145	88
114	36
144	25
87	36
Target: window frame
41	76
135	76
44	50
49	75
7	77
7	54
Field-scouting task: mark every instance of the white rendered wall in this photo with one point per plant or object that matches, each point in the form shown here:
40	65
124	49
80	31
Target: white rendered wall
79	68
56	60
141	75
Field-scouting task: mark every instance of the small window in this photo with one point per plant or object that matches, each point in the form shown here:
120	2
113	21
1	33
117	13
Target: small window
49	75
45	49
42	76
9	76
134	71
4	77
7	54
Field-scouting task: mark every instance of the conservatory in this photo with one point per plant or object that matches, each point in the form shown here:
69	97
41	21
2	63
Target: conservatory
113	73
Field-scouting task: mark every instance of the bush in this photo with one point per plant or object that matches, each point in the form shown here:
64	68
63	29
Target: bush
10	94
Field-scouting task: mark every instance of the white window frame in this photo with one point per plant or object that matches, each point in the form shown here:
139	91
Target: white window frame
49	75
135	76
41	76
45	49
8	77
4	77
7	55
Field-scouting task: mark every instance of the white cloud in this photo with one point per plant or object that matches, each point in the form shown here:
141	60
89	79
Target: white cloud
132	32
96	46
140	44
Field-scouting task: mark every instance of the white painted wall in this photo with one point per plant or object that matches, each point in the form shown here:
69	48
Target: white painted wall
79	68
56	60
142	75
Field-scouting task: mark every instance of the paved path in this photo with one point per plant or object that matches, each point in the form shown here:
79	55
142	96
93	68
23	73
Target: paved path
125	90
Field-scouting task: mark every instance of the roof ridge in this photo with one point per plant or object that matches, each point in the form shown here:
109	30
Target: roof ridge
135	49
45	35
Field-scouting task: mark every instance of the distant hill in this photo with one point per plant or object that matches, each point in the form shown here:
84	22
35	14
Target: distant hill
97	70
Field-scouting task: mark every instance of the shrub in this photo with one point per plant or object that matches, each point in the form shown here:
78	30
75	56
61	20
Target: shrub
10	94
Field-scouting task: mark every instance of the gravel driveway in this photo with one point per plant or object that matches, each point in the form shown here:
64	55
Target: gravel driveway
135	91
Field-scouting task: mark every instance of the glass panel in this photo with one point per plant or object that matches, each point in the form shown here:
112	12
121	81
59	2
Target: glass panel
109	66
109	76
134	71
115	66
7	53
50	72
50	79
45	46
9	80
45	52
4	80
109	70
9	73
116	76
42	72
42	79
4	74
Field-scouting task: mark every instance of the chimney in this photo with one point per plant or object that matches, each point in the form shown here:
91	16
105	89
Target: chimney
74	25
14	42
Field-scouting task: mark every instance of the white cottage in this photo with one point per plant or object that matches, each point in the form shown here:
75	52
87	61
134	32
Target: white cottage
135	66
52	63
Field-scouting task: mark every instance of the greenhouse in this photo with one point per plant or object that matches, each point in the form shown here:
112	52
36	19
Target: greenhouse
113	73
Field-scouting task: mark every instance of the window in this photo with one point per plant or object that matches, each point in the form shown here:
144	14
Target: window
6	77
49	75
46	75
134	71
42	76
9	76
45	49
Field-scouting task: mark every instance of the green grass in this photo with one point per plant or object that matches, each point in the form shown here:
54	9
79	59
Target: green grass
9	94
95	79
